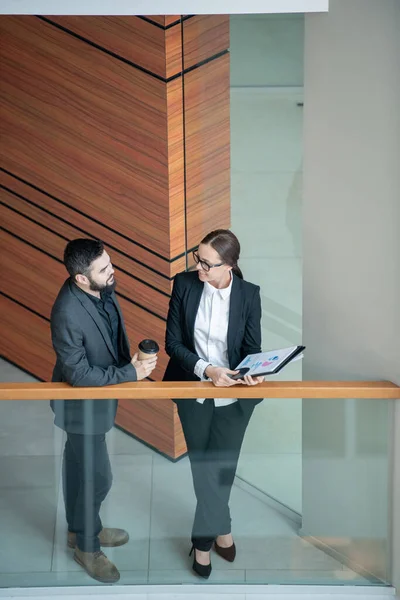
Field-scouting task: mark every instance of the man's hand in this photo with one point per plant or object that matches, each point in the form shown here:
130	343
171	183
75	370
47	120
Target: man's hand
143	367
220	376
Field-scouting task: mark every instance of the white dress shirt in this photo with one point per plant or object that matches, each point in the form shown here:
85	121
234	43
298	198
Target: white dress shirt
211	333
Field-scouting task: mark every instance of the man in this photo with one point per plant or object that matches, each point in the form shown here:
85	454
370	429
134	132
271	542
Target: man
92	348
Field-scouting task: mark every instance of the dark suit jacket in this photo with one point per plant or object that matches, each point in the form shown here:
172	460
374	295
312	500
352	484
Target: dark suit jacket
244	327
86	357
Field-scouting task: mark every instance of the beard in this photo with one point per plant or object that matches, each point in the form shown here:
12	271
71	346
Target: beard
106	288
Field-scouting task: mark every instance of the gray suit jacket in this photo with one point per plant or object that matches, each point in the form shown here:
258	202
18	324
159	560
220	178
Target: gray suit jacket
86	357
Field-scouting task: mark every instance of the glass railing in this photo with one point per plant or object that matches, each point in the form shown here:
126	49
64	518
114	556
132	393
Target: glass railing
341	536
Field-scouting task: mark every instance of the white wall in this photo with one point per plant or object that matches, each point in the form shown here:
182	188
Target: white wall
266	190
351	279
267	50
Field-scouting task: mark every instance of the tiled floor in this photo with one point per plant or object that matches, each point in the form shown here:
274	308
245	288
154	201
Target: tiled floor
151	497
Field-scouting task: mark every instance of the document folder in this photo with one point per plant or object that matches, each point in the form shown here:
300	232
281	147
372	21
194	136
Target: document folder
268	363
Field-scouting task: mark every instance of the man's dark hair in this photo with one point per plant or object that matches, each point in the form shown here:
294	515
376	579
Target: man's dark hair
79	255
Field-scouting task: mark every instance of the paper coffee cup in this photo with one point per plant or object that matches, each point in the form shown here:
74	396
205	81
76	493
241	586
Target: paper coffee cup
147	349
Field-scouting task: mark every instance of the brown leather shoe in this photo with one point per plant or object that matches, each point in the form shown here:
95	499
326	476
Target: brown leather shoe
109	538
228	554
97	565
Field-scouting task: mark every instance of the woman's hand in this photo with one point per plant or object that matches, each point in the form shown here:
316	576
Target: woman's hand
220	376
249	380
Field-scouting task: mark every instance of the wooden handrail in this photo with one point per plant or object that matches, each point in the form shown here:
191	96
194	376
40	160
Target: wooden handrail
145	390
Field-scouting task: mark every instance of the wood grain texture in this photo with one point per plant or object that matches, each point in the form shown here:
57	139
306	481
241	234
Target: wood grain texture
163	20
86	128
164	390
207	143
203	37
169	19
176	169
106	139
179	438
31	277
173	51
25	339
54	245
157	19
129	37
142	258
151	421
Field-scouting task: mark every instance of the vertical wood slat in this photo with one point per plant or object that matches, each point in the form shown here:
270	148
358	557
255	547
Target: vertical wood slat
207	143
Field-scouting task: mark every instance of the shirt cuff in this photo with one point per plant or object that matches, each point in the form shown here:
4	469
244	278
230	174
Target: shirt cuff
200	367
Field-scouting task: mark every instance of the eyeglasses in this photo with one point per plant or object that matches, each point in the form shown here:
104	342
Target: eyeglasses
204	265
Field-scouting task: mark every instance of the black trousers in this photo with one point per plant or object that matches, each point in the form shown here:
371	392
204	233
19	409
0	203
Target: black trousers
87	479
214	437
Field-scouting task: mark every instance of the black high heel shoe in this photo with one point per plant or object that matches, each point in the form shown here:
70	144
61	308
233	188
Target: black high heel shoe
228	554
202	570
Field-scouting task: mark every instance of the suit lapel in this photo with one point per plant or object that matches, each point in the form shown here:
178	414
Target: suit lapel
235	314
192	305
124	337
91	309
121	320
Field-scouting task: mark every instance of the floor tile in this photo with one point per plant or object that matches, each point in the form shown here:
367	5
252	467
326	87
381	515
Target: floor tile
11	373
261	520
119	442
173	499
278	475
126	506
29	472
27	520
278	552
27	429
258	119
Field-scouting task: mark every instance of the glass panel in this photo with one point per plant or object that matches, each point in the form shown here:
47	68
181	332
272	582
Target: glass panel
266	178
346	462
345	516
307	507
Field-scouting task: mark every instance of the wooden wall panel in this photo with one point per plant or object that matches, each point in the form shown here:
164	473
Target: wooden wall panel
176	168
25	339
53	244
172	19
146	265
173	51
98	141
164	20
86	128
207	144
150	421
31	277
130	37
203	37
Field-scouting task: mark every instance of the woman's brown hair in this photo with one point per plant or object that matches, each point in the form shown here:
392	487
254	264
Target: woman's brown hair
228	247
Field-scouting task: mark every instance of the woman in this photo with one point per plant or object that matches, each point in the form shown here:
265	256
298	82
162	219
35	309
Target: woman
213	323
